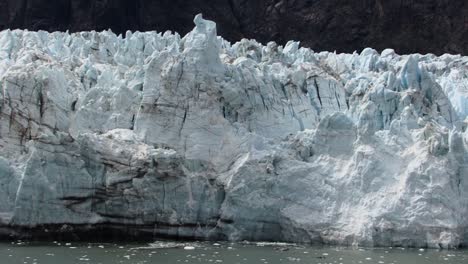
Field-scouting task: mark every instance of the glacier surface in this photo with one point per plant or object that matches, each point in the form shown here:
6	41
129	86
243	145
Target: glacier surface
194	137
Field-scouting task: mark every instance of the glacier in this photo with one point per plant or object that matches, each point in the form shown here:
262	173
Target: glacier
158	135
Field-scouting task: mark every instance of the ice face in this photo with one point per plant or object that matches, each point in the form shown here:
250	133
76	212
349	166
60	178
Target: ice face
198	138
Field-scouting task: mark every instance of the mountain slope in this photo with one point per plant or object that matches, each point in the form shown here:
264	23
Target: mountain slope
408	26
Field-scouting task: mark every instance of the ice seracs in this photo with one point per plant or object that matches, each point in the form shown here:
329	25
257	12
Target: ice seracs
193	137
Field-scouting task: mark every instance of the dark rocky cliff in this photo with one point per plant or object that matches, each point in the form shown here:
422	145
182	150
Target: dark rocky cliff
408	26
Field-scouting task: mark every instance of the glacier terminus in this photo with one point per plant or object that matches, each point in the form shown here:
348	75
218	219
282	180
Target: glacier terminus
158	135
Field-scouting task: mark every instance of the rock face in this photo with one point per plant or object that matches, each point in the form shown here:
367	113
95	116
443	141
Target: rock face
157	135
408	26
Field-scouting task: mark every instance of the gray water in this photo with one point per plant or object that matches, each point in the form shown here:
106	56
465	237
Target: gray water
226	253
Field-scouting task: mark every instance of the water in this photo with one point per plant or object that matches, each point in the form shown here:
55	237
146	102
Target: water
226	253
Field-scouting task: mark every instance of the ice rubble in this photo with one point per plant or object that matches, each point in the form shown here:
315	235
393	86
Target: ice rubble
196	138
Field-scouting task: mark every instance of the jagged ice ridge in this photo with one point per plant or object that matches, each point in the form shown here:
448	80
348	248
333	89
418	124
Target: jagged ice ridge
196	138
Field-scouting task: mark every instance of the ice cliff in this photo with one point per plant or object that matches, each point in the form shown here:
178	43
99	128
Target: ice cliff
194	137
